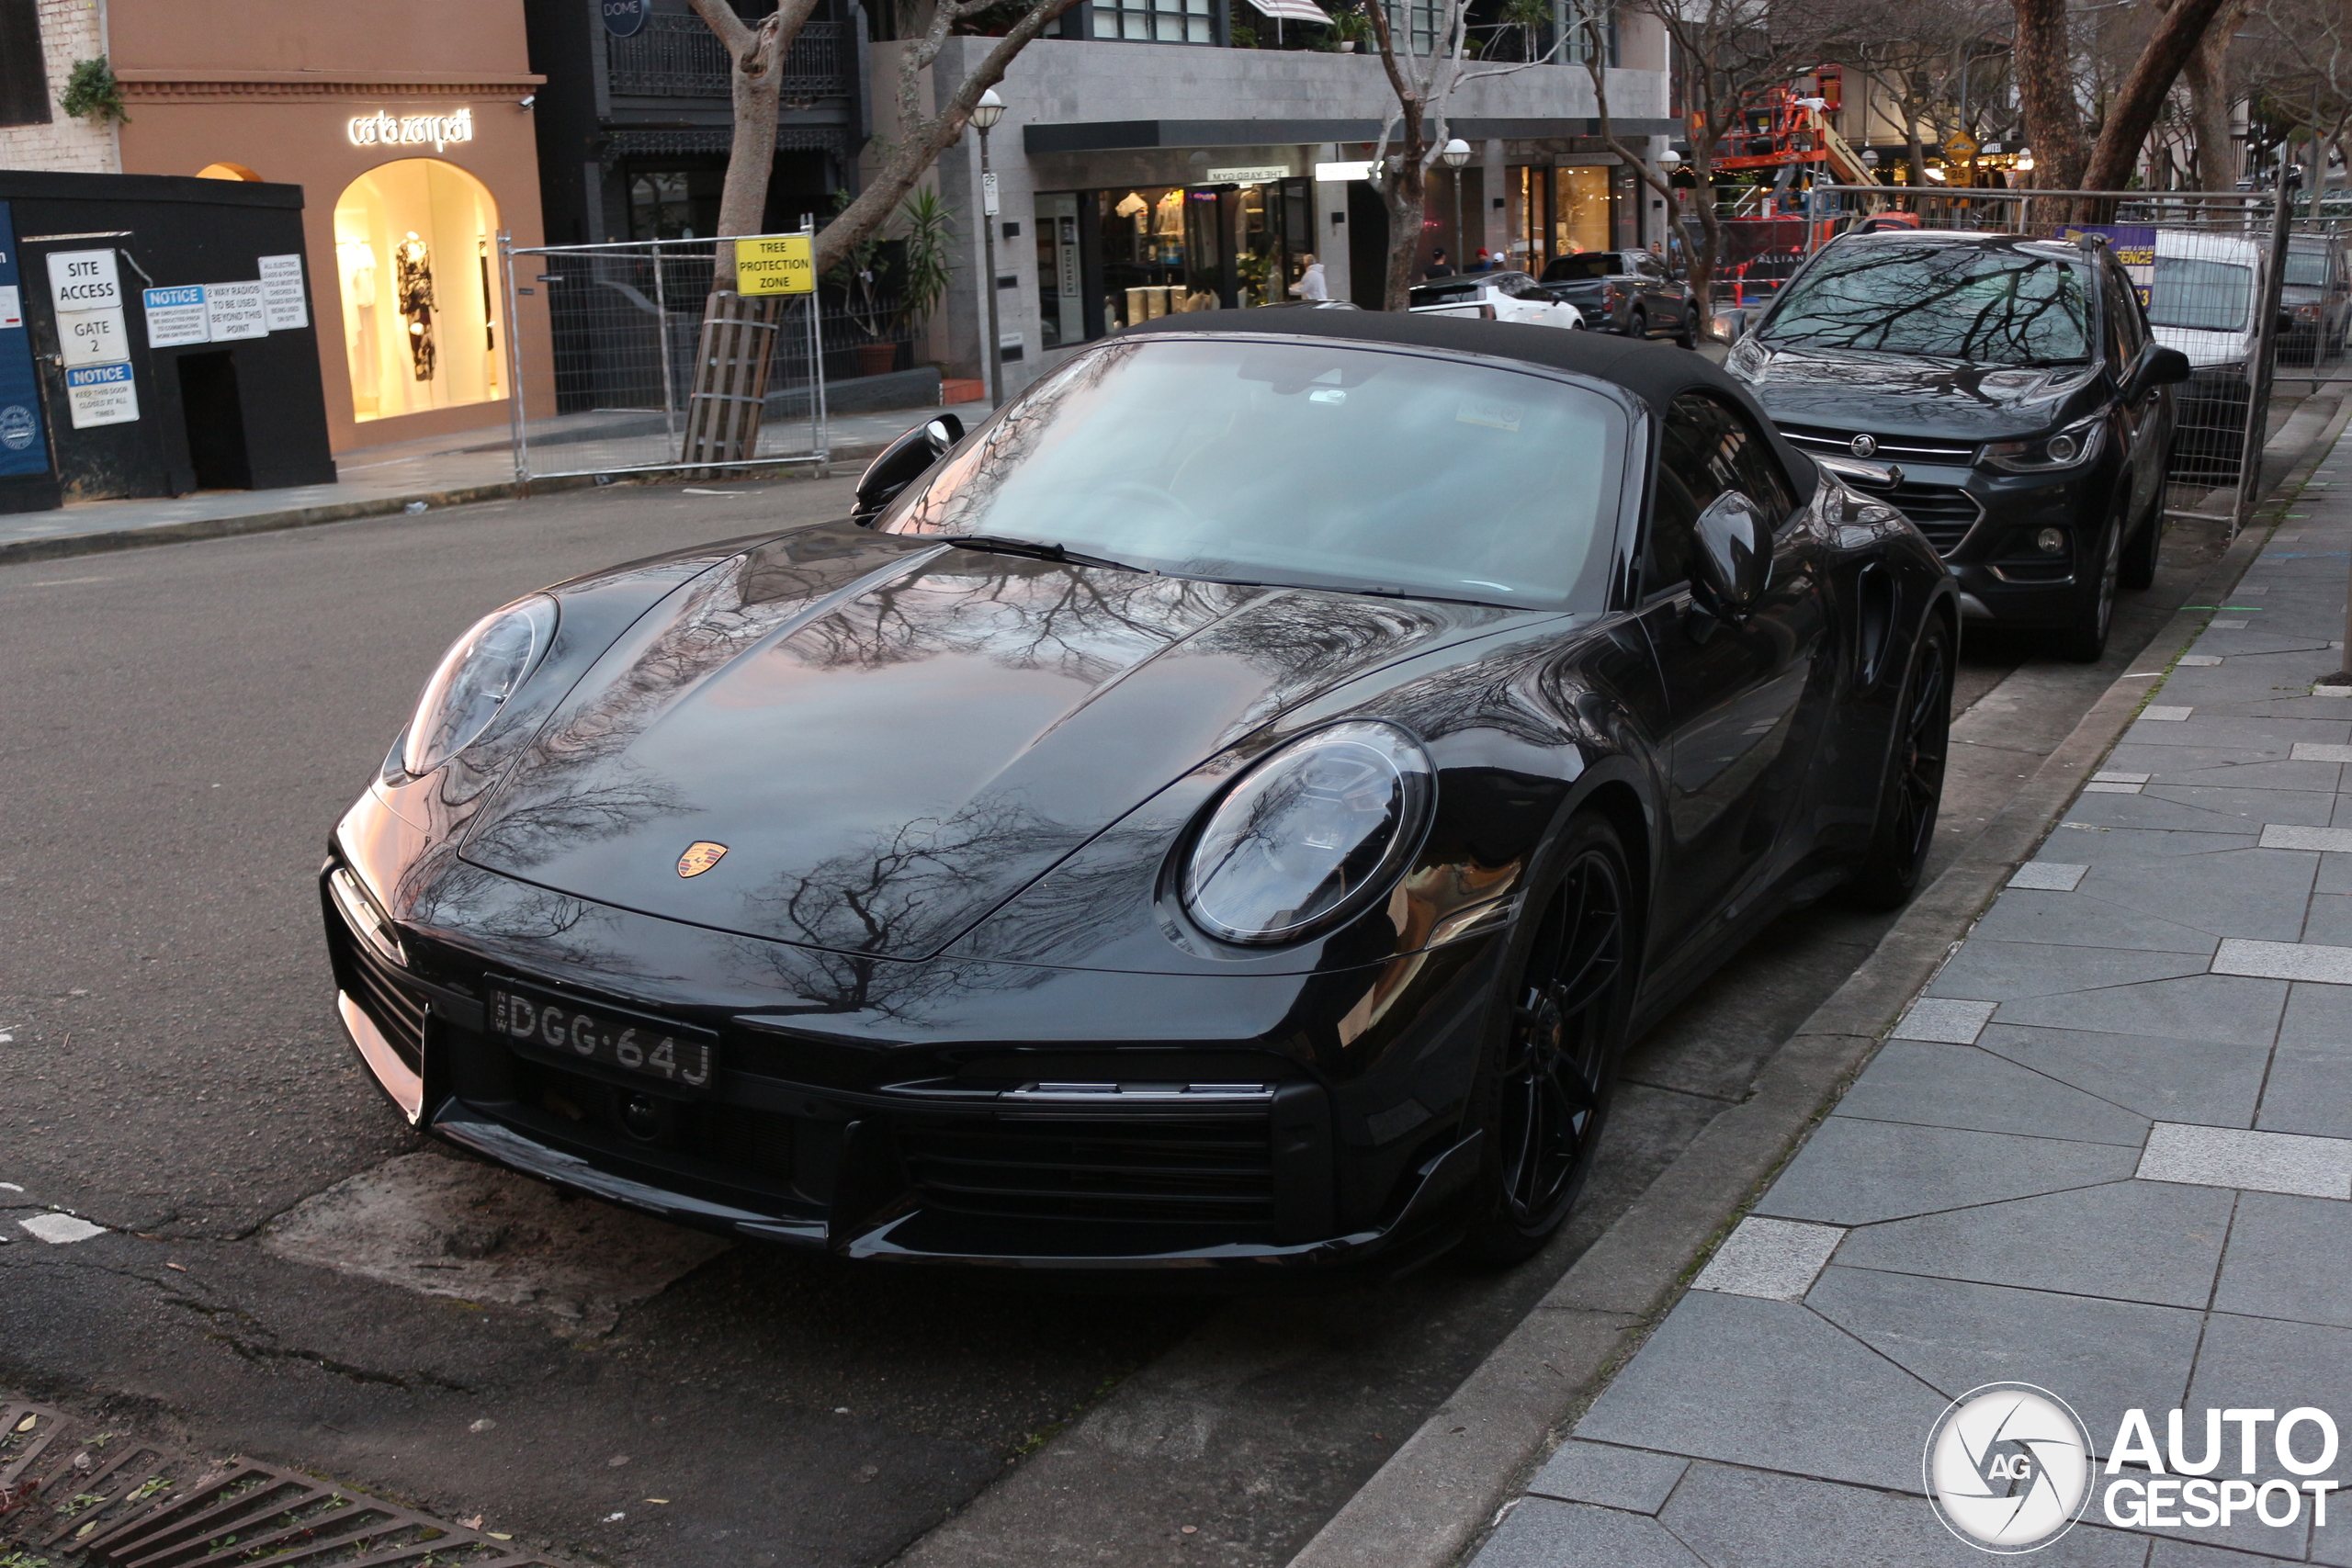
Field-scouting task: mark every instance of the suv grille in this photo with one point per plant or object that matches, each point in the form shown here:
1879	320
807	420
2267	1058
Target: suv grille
1196	1167
1891	449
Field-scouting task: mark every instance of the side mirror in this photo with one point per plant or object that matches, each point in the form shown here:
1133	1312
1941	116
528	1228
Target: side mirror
2165	367
1734	560
901	463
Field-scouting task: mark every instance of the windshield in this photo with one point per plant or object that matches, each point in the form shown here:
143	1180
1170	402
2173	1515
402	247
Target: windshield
1987	307
2307	270
1308	463
2200	296
1581	267
1445	294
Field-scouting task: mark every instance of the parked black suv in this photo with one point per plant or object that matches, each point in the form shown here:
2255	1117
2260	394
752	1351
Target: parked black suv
2004	392
1630	293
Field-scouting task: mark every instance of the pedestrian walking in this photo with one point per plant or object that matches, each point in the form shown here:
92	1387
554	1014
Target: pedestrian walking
1311	284
1439	266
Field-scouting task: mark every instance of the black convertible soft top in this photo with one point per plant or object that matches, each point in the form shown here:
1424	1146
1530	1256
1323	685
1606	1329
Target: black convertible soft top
1652	372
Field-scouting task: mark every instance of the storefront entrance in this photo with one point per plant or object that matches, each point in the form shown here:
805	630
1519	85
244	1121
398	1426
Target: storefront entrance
1164	249
415	245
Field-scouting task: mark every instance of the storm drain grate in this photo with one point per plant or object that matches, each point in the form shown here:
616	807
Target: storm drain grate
95	1499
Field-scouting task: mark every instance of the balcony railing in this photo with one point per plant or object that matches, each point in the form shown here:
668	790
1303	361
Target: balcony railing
678	57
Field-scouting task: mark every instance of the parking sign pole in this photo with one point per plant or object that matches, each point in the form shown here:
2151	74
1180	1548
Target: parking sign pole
2266	345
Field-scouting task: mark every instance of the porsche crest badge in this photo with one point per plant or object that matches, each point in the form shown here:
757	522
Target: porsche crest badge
700	856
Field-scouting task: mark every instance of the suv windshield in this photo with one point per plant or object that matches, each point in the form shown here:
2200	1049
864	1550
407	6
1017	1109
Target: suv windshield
2306	268
1316	465
2196	295
1967	302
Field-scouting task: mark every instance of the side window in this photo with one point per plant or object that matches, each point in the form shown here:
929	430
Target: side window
2123	308
1687	483
1649	267
1708	447
1526	287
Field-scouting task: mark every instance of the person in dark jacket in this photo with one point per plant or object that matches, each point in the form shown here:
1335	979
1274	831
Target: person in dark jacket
1439	266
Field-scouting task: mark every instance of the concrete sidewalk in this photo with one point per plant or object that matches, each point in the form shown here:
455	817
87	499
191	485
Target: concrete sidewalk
448	470
2109	1153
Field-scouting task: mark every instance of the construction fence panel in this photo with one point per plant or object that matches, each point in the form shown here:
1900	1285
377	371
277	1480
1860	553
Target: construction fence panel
654	372
2210	269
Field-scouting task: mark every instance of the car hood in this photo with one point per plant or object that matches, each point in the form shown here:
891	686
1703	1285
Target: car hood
893	737
1891	394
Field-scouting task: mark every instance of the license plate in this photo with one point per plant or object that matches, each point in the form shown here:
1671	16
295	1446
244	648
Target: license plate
554	1029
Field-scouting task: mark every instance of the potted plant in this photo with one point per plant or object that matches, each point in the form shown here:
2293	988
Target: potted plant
1350	28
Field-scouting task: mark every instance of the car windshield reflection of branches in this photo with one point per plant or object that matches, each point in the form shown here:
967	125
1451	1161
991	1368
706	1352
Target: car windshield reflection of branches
1959	302
1299	464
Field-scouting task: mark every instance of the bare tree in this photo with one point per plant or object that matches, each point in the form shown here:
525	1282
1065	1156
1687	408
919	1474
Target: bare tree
2133	112
1727	52
2048	90
2210	99
736	347
1424	85
2298	72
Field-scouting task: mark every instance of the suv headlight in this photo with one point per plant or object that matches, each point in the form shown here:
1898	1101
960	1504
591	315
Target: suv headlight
1313	833
2078	443
481	670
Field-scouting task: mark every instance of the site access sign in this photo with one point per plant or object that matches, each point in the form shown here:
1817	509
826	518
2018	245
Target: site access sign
775	264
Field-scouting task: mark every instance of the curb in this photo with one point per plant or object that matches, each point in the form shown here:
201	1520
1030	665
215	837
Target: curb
1438	1495
107	541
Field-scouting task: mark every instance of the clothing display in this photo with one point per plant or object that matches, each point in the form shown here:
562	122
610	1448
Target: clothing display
415	260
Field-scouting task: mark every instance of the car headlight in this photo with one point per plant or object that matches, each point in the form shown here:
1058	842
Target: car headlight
1310	835
481	670
2068	449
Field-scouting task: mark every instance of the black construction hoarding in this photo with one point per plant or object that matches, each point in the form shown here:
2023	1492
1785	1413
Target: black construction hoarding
156	337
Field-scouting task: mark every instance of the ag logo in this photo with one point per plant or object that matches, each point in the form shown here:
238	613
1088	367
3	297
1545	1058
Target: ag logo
2008	1467
700	857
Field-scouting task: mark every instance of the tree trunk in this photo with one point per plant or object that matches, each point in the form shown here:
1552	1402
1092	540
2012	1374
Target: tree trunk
1406	196
2133	112
2044	68
2207	72
1914	149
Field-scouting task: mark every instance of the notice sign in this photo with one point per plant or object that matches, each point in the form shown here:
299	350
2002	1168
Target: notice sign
281	293
176	316
234	311
101	394
775	264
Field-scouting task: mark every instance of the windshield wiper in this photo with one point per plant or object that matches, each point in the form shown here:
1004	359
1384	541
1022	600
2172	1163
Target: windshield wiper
999	545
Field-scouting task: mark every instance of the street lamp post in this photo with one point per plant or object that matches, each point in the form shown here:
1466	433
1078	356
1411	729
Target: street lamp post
1456	153
985	114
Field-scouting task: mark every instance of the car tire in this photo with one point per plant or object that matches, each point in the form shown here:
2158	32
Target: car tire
2144	549
2086	641
1543	1091
1689	337
1638	324
1911	785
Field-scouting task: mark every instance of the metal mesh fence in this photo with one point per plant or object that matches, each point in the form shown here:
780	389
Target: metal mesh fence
2259	301
628	329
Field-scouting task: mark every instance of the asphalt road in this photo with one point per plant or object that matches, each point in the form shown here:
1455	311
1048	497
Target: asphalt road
179	730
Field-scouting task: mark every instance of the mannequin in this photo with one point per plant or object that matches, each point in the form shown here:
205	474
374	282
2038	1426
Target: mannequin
415	259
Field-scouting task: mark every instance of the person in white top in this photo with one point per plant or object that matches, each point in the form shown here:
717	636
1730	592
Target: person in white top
1310	285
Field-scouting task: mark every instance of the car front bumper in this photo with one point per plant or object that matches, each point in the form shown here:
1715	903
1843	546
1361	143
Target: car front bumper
1983	523
1054	1121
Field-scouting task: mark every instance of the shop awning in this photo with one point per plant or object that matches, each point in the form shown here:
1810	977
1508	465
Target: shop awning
1293	10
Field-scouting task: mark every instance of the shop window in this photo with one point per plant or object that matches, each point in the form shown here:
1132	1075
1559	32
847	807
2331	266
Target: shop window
1155	21
226	171
24	87
673	204
1580	210
415	243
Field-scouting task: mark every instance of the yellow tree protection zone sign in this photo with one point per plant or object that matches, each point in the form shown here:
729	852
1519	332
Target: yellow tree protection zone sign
775	264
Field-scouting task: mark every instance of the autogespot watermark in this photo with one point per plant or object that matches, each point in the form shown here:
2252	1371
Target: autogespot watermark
2009	1468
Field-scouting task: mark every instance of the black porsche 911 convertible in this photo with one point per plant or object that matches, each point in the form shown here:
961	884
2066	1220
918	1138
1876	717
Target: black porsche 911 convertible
1226	813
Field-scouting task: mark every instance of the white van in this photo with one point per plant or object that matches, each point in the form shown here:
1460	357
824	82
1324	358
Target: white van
2203	302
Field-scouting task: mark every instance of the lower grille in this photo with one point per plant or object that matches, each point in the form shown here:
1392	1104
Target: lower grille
755	1148
1195	1168
395	1009
1943	513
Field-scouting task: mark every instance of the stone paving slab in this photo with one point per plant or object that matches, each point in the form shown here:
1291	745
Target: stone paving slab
2108	1153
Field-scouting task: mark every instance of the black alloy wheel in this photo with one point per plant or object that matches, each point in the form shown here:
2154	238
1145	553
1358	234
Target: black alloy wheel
1639	324
2086	641
1547	1089
1911	792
